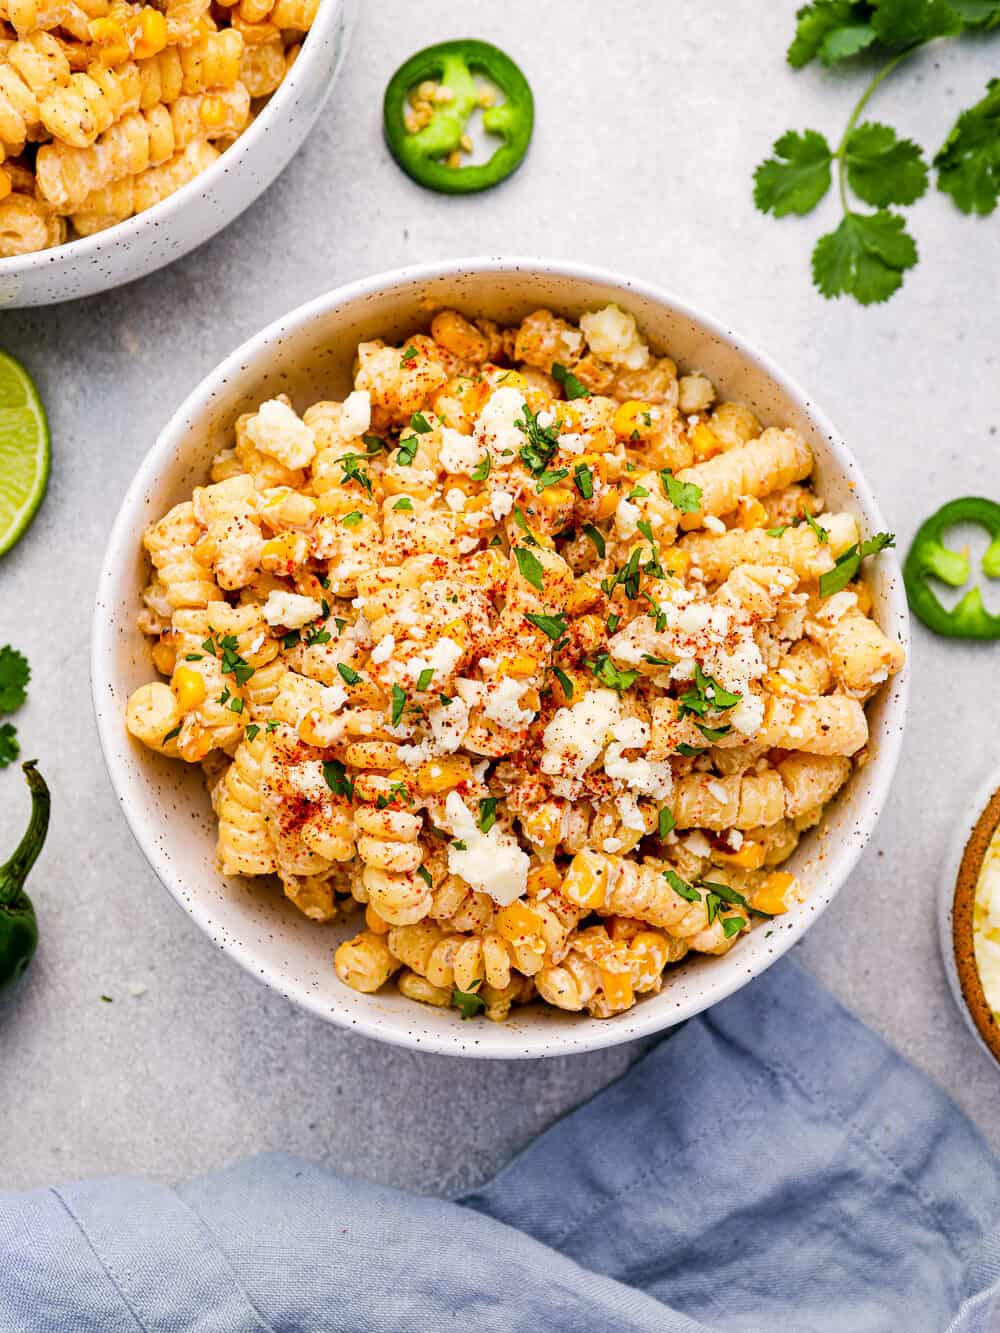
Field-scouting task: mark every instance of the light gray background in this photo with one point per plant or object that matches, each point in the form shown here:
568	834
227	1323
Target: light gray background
651	116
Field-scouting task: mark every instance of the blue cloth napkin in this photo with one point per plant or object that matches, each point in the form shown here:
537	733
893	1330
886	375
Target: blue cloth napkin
772	1166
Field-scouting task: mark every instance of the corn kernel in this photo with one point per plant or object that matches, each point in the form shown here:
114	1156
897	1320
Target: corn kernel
543	877
779	684
705	441
521	666
513	379
749	857
543	825
607	504
582	597
438	775
319	730
189	687
776	894
212	112
675	561
649	953
288	548
632	419
750	513
109	37
553	497
586	880
149	34
617	988
517	923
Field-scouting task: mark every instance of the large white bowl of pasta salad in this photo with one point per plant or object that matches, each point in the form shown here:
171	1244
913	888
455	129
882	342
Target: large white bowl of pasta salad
499	658
130	134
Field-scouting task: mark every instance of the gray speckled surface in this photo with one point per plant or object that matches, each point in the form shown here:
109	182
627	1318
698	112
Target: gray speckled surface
650	119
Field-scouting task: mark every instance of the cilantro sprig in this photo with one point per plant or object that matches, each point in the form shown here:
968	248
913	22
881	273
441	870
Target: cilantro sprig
868	253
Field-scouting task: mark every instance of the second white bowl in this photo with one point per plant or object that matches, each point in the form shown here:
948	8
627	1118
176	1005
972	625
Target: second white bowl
309	354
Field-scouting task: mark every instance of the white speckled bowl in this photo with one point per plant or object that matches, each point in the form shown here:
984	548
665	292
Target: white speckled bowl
308	354
206	204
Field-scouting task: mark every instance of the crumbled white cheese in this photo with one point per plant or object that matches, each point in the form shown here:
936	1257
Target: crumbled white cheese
630	814
611	845
459	453
356	414
441	660
503	704
491	862
713	524
735	839
612	335
307	779
278	432
501	503
383	650
415	755
697	844
455	500
471	691
627	515
641	775
573	442
497	429
449	723
748	715
290	609
577	735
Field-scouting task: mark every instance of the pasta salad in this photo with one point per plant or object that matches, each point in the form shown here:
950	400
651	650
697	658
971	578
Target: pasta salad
530	647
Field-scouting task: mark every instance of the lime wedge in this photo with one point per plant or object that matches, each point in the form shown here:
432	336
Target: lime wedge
24	451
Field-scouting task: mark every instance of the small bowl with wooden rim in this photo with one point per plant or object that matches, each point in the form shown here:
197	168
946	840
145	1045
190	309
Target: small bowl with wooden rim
975	848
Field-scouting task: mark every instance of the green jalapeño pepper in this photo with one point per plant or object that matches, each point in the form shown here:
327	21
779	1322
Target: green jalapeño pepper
930	558
428	134
18	925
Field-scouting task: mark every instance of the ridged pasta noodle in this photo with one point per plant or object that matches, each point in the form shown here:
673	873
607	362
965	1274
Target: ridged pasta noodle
450	657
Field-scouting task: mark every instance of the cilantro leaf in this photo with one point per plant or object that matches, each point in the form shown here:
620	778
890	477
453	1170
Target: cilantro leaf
572	387
467	1002
335	776
865	257
420	424
849	562
681	887
732	925
977	13
883	169
553	626
968	162
530	567
831	30
14	676
665	822
608	674
797	177
398	704
565	684
9	747
487	813
597	537
583	480
482	469
683	495
903	23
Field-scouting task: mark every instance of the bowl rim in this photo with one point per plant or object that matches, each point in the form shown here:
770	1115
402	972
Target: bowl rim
969	843
642	1020
83	248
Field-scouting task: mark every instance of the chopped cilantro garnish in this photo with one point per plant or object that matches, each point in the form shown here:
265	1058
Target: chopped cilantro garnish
467	1002
550	478
426	876
681	887
409	355
317	635
14	676
543	441
530	567
374	444
398	704
425	678
252	731
646	530
683	495
608	674
482	469
777	532
689	751
420	424
554	626
732	925
487	813
348	674
665	822
822	536
194	657
352	470
335	776
407	450
637	493
168	737
564	681
572	387
583	480
522	523
713	733
403	503
597	538
235	705
849	563
291	639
